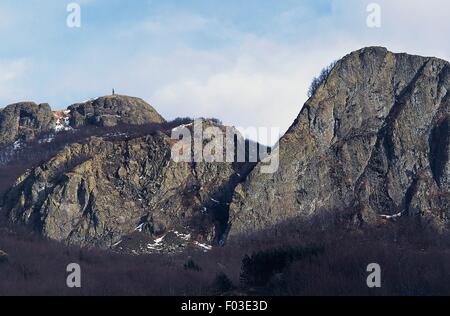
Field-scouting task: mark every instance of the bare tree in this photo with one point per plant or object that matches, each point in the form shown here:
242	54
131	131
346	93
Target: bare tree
317	81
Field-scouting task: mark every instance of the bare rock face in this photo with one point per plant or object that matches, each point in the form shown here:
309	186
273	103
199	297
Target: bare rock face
97	192
24	121
112	110
102	190
371	143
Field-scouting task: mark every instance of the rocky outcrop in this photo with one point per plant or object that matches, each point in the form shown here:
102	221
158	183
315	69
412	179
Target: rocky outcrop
24	121
99	191
372	143
112	110
105	190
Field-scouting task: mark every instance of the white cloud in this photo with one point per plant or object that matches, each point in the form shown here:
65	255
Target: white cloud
12	76
264	83
258	83
166	25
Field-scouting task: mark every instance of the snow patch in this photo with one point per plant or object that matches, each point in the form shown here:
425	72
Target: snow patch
156	244
118	134
117	243
185	237
63	123
203	246
47	139
139	228
395	216
87	101
17	145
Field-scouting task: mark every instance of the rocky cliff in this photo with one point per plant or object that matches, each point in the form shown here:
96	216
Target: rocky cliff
372	144
105	190
98	191
24	121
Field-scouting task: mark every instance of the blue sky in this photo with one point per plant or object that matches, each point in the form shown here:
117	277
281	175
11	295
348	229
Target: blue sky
247	62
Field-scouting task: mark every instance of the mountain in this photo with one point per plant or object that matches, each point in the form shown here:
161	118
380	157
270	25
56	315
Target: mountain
371	145
109	179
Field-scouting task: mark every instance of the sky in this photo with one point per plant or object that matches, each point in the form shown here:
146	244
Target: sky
246	62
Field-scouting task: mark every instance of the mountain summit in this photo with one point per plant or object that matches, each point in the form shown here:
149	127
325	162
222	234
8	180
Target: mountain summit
26	120
113	110
371	144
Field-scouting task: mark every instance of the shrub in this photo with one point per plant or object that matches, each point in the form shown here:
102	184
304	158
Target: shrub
258	269
191	265
317	81
182	121
415	262
222	284
211	119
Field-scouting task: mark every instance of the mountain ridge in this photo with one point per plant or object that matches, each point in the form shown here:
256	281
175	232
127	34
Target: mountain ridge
24	121
371	144
113	184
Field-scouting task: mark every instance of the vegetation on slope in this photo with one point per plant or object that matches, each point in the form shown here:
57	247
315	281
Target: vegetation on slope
297	258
